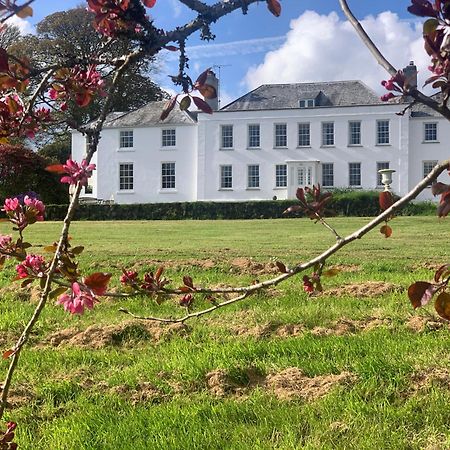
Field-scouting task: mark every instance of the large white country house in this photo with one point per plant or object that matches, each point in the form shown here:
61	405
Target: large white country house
266	144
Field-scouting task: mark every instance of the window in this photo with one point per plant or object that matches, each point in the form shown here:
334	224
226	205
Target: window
227	136
280	135
169	138
381	166
327	174
226	177
354	174
254	136
327	133
126	139
428	167
307	103
382	132
253	176
281	175
430	132
304	137
168	175
126	177
354	133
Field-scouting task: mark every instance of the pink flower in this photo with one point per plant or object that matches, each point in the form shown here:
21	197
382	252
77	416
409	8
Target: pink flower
11	205
36	206
33	267
80	297
129	277
5	242
76	172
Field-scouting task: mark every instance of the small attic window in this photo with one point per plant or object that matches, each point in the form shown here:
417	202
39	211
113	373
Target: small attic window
307	103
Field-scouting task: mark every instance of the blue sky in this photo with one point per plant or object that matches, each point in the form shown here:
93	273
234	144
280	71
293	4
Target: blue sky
309	42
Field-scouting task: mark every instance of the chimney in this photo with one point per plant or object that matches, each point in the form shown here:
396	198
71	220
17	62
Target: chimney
213	81
410	72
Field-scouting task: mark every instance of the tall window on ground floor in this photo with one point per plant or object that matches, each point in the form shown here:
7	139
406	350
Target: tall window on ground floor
428	167
168	175
354	174
327	174
380	166
281	175
126	176
253	176
226	177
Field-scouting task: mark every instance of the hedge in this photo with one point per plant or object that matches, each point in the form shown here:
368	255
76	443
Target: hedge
344	203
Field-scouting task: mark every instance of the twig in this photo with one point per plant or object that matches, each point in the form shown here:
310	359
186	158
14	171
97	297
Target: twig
16	10
328	226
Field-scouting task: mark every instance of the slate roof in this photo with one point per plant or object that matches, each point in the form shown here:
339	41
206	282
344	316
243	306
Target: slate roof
148	115
287	96
419	110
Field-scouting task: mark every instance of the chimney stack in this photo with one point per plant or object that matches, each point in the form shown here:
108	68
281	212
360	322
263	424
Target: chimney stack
410	72
213	81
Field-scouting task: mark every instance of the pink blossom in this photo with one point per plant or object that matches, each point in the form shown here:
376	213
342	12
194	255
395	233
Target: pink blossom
77	172
33	266
11	205
129	277
36	205
80	297
387	97
5	242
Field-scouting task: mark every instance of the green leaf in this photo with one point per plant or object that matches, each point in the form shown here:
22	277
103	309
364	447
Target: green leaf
430	26
77	250
57	292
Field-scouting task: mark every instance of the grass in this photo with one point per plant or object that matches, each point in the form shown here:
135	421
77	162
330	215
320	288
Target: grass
72	397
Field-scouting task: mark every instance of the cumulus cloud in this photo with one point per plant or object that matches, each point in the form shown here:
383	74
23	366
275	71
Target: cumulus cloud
23	25
325	48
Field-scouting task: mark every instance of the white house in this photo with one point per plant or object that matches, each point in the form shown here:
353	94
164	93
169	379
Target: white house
266	144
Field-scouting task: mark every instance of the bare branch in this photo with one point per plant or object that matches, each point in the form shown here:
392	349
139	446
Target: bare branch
196	5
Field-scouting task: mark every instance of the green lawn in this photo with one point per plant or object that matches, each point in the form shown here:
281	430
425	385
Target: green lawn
222	382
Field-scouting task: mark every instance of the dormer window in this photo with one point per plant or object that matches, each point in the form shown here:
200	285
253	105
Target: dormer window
307	103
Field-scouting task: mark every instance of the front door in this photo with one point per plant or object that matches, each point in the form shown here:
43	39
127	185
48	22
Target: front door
301	174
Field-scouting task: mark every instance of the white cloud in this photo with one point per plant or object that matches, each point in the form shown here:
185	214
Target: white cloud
176	8
23	25
323	47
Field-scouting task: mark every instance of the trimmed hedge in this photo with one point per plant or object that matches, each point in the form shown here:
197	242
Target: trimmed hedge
344	203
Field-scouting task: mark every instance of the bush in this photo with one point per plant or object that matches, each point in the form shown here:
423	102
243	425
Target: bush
344	203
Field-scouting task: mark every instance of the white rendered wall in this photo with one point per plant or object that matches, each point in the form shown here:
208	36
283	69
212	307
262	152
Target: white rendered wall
147	155
427	151
211	157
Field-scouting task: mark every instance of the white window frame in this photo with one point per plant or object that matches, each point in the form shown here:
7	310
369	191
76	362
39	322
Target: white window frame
381	134
304	126
325	164
380	166
281	178
428	166
307	103
352	134
350	174
124	178
425	132
253	136
168	137
163	175
225	177
255	177
280	136
126	140
326	134
228	136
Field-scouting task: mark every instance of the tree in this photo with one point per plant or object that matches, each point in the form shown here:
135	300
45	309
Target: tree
9	36
68	36
77	80
57	151
22	170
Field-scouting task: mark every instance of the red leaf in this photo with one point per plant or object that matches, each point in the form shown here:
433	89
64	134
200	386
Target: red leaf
386	200
274	7
207	91
171	48
159	272
444	205
168	108
442	272
386	230
98	282
202	105
187	280
56	168
420	293
293	208
4	65
149	3
8	353
442	305
202	77
281	267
